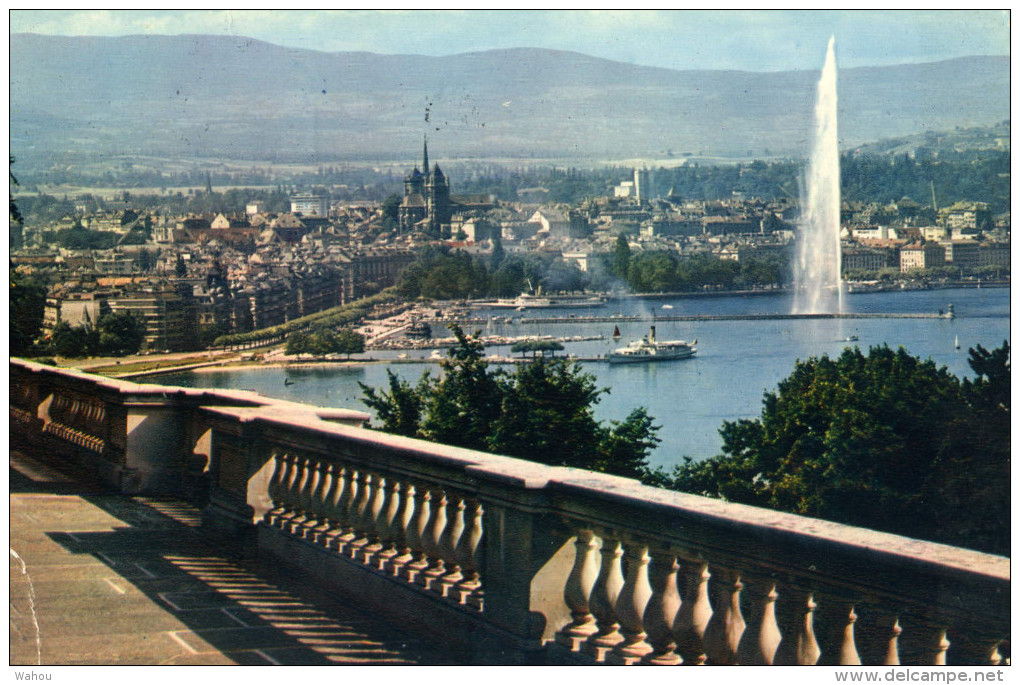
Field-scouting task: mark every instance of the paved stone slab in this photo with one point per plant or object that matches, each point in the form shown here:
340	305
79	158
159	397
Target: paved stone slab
99	578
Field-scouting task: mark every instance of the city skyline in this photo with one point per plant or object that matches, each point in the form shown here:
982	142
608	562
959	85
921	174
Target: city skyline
748	40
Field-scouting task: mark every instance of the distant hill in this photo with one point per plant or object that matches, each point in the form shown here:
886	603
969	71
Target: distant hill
197	96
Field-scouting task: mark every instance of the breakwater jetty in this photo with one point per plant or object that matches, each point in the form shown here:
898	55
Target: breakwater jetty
615	318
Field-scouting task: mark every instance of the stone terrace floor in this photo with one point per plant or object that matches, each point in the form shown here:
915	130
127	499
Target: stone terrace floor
101	578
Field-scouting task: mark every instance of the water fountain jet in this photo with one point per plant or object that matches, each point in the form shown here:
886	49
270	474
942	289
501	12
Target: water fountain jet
816	273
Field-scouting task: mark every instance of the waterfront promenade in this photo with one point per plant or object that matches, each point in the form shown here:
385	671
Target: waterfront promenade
100	578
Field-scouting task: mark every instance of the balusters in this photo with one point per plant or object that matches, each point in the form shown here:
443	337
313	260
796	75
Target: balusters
448	546
976	649
388	530
796	613
663	607
603	600
330	512
403	525
892	653
695	612
577	592
722	636
352	496
373	519
276	488
837	618
417	532
877	633
469	590
362	519
433	539
302	494
630	607
923	642
292	486
941	646
315	511
760	641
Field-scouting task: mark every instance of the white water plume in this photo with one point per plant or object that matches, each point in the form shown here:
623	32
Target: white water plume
816	273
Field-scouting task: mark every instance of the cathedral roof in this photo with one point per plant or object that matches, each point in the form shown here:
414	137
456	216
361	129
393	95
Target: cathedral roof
414	175
437	172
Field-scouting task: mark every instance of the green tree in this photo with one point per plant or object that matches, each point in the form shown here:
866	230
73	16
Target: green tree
547	415
534	346
625	446
543	411
27	303
619	260
298	342
391	210
652	272
323	341
884	440
400	409
461	407
15	214
120	333
349	341
71	341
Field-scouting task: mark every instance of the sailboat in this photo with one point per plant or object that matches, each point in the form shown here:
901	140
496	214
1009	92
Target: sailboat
956	342
616	332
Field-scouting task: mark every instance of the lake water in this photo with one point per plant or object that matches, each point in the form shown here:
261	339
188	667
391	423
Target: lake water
737	361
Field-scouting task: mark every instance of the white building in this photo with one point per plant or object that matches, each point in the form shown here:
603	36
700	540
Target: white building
642	185
309	205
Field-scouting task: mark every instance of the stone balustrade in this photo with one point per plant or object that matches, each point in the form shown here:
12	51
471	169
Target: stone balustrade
509	561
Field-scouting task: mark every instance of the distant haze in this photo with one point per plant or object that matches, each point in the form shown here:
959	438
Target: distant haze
234	98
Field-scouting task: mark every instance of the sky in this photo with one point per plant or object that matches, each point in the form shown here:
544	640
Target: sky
751	40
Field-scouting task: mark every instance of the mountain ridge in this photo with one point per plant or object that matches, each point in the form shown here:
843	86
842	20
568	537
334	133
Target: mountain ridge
242	98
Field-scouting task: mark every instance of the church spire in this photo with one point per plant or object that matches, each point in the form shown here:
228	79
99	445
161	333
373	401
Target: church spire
425	162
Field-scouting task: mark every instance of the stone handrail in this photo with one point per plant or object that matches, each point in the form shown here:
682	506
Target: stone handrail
136	437
511	561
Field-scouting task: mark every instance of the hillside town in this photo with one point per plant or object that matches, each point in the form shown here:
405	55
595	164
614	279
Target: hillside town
196	277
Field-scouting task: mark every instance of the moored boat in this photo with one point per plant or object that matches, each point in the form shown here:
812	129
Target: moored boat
648	349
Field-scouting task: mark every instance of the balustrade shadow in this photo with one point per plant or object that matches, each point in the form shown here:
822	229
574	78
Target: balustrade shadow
254	613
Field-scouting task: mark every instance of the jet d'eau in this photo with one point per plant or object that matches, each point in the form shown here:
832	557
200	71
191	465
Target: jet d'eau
816	273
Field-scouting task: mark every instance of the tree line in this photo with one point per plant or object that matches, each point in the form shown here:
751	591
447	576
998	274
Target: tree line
660	271
444	274
323	341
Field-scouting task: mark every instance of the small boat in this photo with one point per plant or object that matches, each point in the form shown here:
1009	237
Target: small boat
667	306
852	338
956	342
287	381
648	349
616	332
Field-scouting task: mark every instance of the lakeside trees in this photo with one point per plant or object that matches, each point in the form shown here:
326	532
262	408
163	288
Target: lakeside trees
323	341
444	274
883	440
543	411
